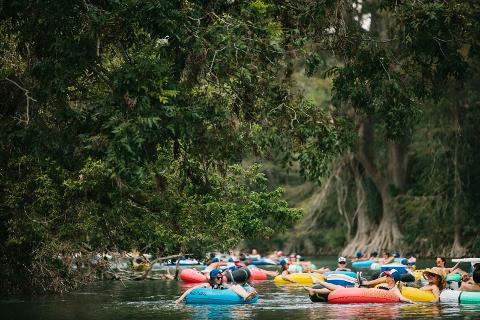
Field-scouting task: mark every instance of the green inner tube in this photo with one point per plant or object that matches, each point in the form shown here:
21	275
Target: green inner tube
470	297
454	277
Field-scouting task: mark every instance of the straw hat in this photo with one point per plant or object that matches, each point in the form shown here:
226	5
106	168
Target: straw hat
437	271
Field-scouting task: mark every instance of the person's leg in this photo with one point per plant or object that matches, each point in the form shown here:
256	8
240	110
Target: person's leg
312	291
269	273
247	296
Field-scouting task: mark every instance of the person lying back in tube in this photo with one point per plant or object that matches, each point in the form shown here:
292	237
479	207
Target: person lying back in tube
216	282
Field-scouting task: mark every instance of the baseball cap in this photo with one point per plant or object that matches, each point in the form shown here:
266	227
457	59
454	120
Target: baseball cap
215	260
283	262
342	259
215	273
393	273
358	254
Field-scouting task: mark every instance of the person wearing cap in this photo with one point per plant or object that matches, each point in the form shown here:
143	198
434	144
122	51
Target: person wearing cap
342	264
471	284
215	281
215	263
436	281
321	294
359	256
384	278
284	264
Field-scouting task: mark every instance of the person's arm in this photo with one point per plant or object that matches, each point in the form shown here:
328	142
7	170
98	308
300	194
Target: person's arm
397	292
374	282
389	260
286	277
203	285
434	289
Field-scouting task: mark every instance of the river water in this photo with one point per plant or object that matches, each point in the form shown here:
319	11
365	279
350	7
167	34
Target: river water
155	300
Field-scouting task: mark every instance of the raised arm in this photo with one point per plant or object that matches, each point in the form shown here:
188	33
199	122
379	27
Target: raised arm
203	285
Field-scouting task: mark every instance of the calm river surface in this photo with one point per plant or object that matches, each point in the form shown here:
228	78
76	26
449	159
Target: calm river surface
155	300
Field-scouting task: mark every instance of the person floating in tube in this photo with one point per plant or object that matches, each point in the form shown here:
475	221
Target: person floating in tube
216	282
389	278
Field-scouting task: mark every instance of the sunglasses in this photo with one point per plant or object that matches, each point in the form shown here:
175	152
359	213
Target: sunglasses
219	277
342	262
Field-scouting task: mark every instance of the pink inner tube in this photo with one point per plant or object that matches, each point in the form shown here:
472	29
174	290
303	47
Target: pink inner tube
361	295
195	276
256	274
192	276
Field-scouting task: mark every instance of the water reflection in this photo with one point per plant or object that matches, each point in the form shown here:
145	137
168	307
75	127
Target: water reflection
155	300
222	312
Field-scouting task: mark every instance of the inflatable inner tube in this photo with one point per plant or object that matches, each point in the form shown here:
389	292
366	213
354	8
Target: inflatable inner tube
361	295
341	280
256	274
299	278
418	295
217	296
402	269
350	274
192	276
362	264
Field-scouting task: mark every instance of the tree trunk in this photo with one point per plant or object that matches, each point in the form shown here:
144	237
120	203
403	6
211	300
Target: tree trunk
364	224
457	249
390	184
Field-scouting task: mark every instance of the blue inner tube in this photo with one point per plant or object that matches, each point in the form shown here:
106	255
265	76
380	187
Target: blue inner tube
362	264
346	273
217	296
402	269
263	262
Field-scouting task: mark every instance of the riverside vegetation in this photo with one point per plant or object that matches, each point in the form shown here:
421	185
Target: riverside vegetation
123	124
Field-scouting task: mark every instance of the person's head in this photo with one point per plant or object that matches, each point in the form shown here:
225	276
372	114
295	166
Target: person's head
254	252
216	276
435	276
392	276
215	260
284	264
476	274
358	254
440	262
386	254
396	254
292	257
374	254
279	253
242	257
342	262
404	261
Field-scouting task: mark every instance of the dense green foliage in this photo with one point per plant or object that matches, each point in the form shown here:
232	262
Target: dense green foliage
124	125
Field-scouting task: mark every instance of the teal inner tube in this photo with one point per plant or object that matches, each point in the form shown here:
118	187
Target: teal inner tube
217	296
453	277
362	264
470	297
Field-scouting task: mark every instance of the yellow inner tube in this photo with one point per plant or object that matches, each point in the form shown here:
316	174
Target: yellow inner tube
418	295
300	278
